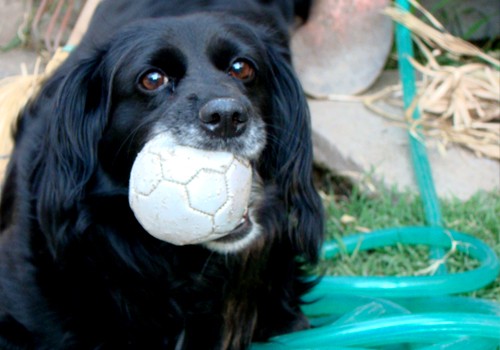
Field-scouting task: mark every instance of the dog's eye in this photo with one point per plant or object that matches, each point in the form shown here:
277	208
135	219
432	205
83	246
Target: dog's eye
153	80
242	70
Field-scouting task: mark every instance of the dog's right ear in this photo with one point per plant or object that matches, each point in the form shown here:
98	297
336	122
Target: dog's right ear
73	112
288	160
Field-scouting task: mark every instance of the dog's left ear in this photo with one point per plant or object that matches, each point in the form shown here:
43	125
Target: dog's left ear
73	104
288	161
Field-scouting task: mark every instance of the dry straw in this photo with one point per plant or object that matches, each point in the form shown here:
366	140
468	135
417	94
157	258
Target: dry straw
460	101
15	92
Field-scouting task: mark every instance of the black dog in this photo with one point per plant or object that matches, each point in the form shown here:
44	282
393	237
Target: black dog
77	271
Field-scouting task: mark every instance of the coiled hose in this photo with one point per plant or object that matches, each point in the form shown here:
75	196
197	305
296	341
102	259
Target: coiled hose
403	312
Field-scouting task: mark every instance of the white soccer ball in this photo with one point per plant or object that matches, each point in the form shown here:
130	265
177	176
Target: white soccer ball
184	195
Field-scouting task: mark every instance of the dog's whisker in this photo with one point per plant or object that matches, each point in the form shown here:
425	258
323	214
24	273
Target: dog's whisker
128	140
206	264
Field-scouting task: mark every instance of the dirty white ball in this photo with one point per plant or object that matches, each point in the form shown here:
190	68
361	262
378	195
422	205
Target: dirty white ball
184	195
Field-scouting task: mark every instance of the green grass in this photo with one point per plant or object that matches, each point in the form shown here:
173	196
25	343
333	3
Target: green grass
357	212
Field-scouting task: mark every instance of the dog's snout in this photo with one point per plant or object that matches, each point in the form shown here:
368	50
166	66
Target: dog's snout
224	117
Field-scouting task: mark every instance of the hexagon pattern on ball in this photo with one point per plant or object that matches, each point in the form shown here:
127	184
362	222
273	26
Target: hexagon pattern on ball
184	195
215	199
192	162
236	205
145	185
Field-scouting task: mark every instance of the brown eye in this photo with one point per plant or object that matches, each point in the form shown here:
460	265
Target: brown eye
153	80
242	70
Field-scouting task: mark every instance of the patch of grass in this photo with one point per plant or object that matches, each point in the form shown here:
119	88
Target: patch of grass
360	212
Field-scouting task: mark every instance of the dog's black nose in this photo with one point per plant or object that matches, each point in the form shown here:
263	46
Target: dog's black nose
224	117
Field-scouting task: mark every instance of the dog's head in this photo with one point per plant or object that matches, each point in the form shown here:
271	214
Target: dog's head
209	82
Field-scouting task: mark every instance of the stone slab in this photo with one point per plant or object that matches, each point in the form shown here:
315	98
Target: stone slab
353	141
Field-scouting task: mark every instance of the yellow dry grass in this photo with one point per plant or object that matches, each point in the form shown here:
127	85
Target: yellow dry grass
15	92
460	101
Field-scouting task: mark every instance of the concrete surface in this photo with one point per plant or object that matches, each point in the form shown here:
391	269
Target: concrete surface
355	142
12	61
12	14
11	17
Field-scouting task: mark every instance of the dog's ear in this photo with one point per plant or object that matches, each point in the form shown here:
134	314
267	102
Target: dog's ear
289	159
72	107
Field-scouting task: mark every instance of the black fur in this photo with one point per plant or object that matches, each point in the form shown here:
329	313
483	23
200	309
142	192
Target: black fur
77	271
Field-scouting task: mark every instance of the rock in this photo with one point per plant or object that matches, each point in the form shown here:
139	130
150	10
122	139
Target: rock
343	46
